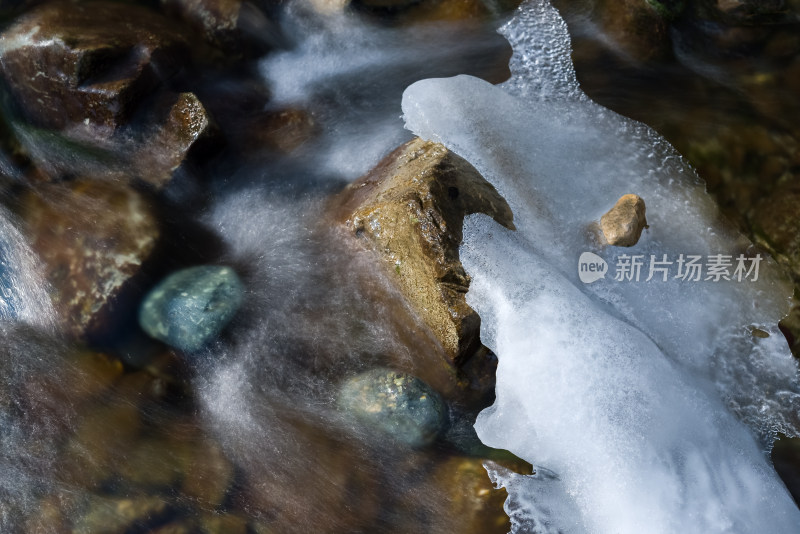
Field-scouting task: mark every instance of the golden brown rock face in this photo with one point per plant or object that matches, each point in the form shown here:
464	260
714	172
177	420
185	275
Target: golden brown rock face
622	225
410	209
92	237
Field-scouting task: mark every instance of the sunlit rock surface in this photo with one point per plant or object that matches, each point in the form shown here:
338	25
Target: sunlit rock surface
622	225
643	400
410	209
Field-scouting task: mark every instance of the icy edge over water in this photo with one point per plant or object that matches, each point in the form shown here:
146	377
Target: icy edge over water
631	393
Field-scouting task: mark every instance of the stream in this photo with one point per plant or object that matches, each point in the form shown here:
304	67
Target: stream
636	401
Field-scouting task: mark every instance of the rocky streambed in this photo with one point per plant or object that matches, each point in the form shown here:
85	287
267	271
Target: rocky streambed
233	299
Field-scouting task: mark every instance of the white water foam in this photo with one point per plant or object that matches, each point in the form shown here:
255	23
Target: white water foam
25	314
649	403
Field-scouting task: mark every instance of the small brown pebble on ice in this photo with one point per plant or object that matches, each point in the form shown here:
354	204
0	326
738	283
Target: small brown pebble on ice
622	225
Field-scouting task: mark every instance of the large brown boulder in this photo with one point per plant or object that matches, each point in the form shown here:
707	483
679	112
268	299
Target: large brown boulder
92	237
90	85
410	210
86	65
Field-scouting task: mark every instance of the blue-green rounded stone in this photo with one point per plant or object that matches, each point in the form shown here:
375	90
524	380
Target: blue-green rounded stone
394	403
190	307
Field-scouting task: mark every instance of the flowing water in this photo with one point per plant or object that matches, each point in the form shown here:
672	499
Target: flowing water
645	406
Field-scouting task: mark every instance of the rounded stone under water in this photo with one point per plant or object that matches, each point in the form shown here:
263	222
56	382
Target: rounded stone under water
394	403
190	307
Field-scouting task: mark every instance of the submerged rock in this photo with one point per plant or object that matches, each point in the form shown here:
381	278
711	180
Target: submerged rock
234	26
217	19
622	225
397	404
410	209
190	307
637	30
119	515
92	237
476	506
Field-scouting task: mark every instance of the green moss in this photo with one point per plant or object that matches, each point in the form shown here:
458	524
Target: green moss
669	9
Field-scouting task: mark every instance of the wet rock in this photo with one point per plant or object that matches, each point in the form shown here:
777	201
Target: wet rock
456	10
622	225
90	84
50	516
208	474
638	29
775	223
149	462
475	506
234	26
343	489
101	437
410	210
190	307
170	141
786	458
119	515
86	65
262	528
746	12
75	378
92	237
790	328
176	527
223	524
397	404
282	131
217	19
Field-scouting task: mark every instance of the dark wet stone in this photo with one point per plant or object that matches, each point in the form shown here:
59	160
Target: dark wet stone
394	403
282	131
170	140
218	20
191	307
90	86
85	65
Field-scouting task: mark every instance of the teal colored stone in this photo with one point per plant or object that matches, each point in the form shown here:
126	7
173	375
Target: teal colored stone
189	308
395	404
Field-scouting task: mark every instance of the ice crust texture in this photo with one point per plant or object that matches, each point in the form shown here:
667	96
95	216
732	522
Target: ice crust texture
648	406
